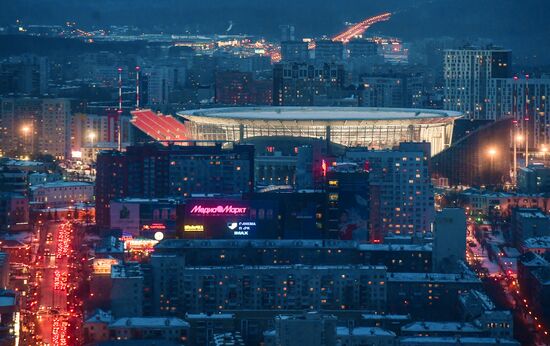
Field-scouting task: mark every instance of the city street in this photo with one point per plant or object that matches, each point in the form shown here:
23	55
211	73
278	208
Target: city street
53	313
507	291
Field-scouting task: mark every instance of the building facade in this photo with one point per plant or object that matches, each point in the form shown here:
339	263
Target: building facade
468	73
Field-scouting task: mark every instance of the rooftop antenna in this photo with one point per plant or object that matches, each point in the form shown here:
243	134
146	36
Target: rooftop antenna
119	120
137	86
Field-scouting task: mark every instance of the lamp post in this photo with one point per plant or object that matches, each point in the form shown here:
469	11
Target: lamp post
27	130
92	136
492	153
517	139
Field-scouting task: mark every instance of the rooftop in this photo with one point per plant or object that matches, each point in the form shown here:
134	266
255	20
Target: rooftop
385	317
126	270
228	243
287	267
420	340
174	244
319	113
537	242
476	298
434	277
531	259
208	316
419	327
149	322
364	331
100	316
55	184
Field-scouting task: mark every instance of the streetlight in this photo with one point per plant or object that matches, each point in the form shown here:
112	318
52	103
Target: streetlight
492	153
92	136
27	130
517	139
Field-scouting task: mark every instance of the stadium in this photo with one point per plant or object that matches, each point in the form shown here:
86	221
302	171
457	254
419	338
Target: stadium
377	128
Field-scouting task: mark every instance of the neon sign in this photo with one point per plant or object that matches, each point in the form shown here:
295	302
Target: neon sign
193	228
241	228
140	244
103	265
227	209
155	226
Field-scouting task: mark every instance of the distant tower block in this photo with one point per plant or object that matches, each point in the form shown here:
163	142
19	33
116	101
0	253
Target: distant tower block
119	120
138	72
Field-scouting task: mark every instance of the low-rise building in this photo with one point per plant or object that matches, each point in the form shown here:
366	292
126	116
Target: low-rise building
424	295
311	328
372	336
392	322
10	321
453	341
539	245
14	211
164	328
62	193
96	327
220	252
441	329
127	290
217	288
501	203
534	179
203	327
529	223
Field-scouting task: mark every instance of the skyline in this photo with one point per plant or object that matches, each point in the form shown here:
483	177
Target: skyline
291	173
520	26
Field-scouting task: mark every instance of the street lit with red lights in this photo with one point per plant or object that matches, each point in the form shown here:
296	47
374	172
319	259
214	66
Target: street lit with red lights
58	312
507	286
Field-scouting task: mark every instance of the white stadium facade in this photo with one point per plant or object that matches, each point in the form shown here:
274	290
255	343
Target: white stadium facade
376	128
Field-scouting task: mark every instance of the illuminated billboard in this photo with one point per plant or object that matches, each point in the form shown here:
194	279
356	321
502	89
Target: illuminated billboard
140	244
125	216
193	228
103	265
242	228
219	210
217	218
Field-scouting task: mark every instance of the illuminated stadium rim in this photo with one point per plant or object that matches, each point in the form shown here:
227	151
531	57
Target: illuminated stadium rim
376	128
317	114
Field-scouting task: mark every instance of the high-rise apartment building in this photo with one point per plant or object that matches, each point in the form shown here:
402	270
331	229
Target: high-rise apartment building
26	74
401	192
525	99
296	51
329	51
241	88
19	121
301	84
32	125
468	73
449	239
111	183
54	128
179	288
157	171
397	91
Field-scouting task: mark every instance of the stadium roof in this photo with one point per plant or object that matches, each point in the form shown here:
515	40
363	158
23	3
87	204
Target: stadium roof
319	113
